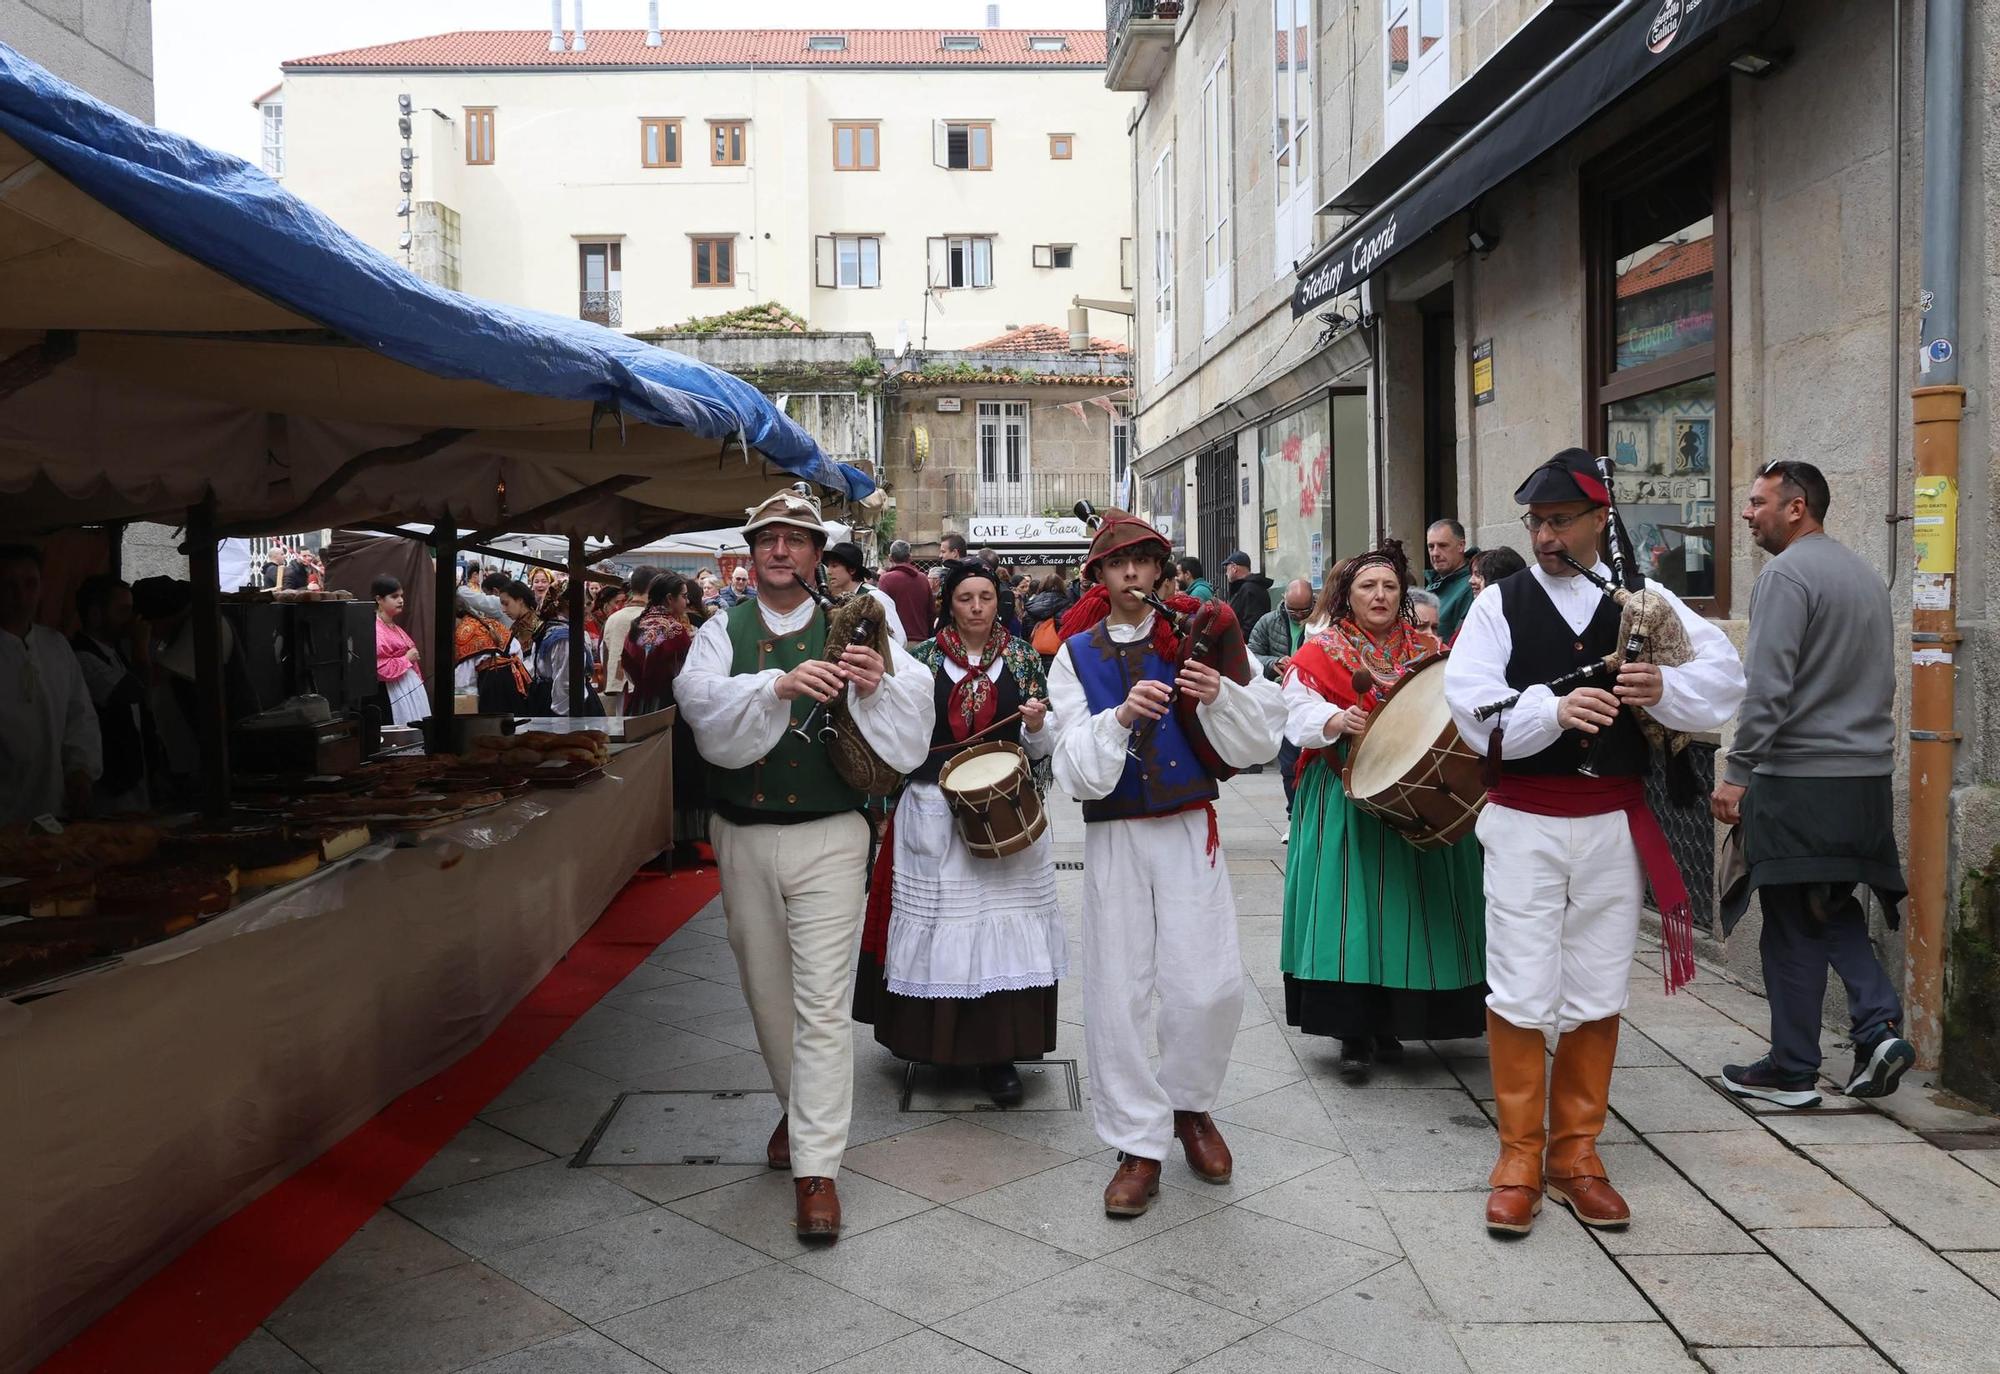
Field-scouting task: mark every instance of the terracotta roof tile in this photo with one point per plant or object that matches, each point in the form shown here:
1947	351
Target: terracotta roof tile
484	48
1043	338
1675	263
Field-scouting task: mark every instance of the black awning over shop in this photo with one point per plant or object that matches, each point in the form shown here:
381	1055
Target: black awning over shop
1630	45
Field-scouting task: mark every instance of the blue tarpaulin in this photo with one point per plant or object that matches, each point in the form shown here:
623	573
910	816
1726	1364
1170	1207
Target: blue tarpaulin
229	216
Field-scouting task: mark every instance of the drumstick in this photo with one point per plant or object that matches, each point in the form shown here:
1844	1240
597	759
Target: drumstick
1365	685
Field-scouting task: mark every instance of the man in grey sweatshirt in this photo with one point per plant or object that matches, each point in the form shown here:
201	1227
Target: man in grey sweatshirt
1808	780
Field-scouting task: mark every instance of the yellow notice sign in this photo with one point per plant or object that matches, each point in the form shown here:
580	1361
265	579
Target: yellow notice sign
1936	525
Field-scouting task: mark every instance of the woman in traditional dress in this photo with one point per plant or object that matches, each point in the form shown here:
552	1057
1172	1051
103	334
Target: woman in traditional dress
1383	942
396	655
484	667
554	657
960	954
604	599
518	601
655	648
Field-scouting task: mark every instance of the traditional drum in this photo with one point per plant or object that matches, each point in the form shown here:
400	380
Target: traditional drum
1410	769
993	800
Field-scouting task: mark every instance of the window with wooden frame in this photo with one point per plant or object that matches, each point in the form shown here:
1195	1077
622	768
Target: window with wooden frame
726	140
847	262
479	136
962	145
857	146
600	282
659	143
714	260
1062	147
1656	235
960	262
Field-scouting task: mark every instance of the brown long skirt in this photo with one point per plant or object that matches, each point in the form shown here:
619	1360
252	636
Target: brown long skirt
965	1031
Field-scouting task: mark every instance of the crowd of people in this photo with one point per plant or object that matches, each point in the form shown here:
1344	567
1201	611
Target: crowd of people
1523	931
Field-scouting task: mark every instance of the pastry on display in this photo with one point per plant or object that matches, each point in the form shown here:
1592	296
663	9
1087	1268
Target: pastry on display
50	895
96	844
171	891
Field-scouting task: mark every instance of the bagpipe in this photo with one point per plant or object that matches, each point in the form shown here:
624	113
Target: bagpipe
854	620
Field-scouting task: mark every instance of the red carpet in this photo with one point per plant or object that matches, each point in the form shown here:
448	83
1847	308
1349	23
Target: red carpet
191	1314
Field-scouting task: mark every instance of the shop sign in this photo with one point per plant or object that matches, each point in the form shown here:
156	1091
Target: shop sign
949	405
1482	372
1936	525
1025	529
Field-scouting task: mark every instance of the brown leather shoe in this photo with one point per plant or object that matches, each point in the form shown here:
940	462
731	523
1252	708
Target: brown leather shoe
1132	1188
1511	1210
1594	1200
1207	1152
778	1154
819	1209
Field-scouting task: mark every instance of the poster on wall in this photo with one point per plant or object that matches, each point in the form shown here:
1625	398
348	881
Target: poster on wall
1690	446
1482	372
1631	443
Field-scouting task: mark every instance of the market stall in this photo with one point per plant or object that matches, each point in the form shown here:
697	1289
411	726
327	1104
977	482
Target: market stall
183	341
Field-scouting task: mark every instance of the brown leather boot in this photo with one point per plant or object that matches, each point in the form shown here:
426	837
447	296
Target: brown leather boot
778	1154
1132	1188
1520	1093
1207	1152
819	1209
1579	1096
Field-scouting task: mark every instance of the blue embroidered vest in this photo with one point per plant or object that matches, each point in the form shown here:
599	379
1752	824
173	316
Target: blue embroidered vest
1166	777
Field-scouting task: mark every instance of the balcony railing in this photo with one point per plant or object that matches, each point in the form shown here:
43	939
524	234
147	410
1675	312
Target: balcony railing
1138	40
602	307
1050	494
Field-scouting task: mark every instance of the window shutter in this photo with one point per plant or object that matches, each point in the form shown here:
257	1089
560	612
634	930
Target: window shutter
982	262
1044	255
824	272
938	268
871	262
940	143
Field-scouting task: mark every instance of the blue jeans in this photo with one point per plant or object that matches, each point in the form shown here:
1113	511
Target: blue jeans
1797	948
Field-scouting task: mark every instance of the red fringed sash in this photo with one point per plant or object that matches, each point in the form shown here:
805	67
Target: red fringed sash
875	921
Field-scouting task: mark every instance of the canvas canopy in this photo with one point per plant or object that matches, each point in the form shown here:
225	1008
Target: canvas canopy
175	325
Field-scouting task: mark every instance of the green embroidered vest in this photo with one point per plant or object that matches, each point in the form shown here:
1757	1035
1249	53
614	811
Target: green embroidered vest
796	778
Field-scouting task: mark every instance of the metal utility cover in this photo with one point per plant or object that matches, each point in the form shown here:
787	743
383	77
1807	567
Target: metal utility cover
683	1128
1048	1085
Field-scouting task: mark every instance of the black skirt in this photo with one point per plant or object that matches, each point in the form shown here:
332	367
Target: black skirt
1357	1011
964	1031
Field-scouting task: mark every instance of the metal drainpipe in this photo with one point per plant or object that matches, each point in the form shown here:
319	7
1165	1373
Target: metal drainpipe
1936	406
1893	517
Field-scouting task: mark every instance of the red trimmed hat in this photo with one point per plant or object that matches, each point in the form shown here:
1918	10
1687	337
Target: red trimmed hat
1120	530
1571	475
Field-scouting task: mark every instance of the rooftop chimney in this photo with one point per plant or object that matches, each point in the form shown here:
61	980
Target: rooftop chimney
1079	329
555	26
992	16
576	30
652	23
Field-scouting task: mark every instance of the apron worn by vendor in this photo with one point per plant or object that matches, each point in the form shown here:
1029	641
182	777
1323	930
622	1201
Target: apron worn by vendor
961	954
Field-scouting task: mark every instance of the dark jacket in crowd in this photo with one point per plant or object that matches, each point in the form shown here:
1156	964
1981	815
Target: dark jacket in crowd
1250	598
1275	636
1042	606
907	586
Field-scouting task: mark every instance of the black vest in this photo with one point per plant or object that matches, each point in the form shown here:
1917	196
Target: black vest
1544	649
122	737
944	745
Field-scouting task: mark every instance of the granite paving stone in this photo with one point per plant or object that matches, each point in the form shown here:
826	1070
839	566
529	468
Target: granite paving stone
386	1250
951	1160
424	1325
1670	1216
1636	1050
1275	1352
1387	1320
713	960
935	1264
665	1183
1064	1207
1759	1181
639	1058
478	1151
1925	1315
1736	1300
1098	1319
681	1001
1420	1140
1826	1359
1549	1275
1261	1161
1822	1127
263	1353
1540	1347
1258	1266
626	1263
1245	1081
550	1077
1706	1048
1293	1111
518	1208
1421	1068
1985	1163
1265	1047
601	1022
762	1210
1070	1132
774	1320
1673	1100
1335	1201
920	1352
554	1125
580	1352
1947	1204
1982	1265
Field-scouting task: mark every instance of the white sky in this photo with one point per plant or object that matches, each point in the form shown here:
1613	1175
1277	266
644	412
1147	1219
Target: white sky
211	58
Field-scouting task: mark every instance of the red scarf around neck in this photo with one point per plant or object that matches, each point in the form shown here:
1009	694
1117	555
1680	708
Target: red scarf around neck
973	700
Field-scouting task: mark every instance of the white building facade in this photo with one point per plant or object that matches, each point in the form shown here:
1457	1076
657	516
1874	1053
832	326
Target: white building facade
950	184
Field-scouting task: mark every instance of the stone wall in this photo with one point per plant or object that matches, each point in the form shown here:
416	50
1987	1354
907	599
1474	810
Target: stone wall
104	46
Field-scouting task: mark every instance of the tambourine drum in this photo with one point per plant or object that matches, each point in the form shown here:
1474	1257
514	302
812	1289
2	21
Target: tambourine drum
993	800
1410	769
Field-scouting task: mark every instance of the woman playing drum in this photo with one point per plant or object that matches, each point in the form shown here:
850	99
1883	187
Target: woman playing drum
1383	942
960	954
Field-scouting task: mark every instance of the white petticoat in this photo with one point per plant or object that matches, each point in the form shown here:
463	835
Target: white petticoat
961	926
408	702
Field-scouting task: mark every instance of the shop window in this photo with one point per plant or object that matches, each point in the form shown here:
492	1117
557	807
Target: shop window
963	146
1163	504
726	140
1292	119
1416	61
857	147
659	143
847	262
479	136
1656	225
1312	465
715	261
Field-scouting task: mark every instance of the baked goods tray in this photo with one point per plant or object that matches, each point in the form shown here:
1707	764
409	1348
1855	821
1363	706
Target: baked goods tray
618	729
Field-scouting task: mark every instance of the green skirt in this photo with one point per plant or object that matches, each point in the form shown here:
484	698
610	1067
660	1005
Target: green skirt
1363	908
